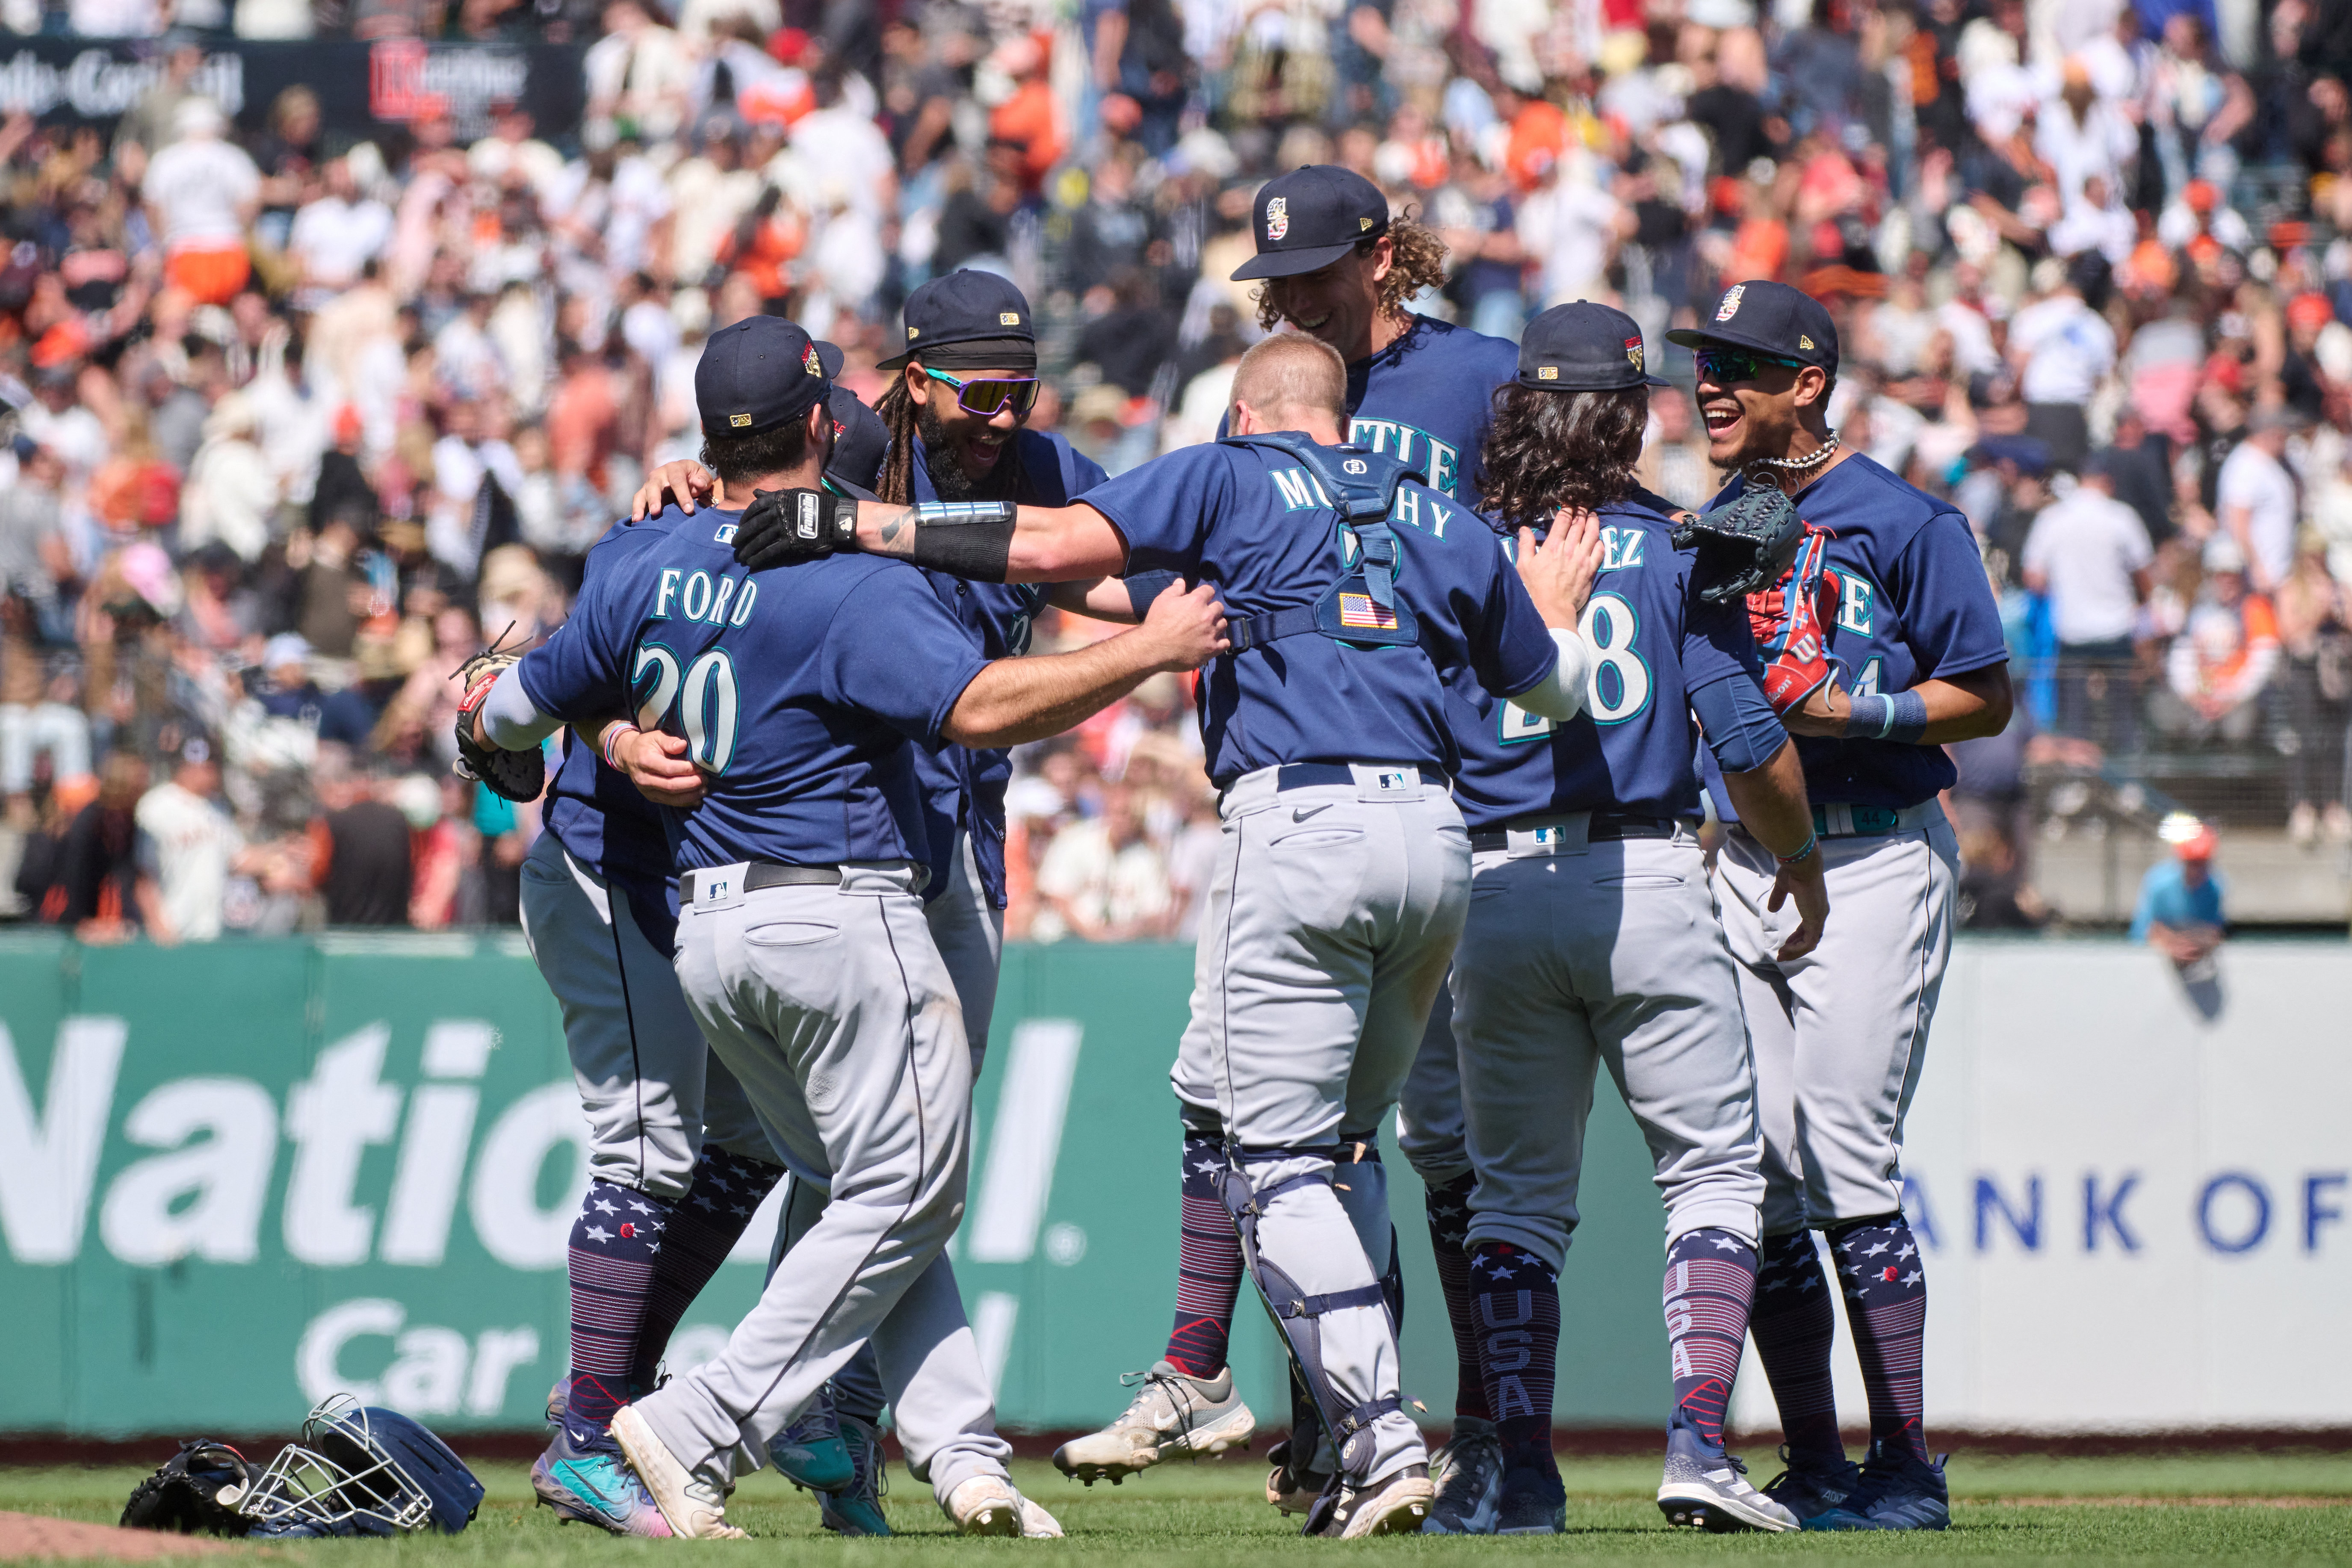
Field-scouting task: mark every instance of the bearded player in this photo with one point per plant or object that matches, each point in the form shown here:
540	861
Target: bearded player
1839	1033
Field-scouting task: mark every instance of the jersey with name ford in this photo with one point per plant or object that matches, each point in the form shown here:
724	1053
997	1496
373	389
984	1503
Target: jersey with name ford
963	788
1254	523
1428	398
1654	642
600	818
1914	605
796	689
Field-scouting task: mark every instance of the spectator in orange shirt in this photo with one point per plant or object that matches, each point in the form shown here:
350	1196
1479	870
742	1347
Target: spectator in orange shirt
1032	118
1538	135
2223	657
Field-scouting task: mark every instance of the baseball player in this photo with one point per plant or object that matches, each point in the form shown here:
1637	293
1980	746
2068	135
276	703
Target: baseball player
1329	925
678	1162
1592	940
953	428
1838	1033
802	950
1337	266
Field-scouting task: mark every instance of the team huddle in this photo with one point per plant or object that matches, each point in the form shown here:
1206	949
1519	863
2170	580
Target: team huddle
1467	693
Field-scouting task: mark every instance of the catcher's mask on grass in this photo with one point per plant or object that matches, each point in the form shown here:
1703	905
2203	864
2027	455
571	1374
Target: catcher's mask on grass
361	1470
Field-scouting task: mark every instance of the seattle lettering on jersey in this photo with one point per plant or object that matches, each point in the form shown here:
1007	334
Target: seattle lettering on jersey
1413	445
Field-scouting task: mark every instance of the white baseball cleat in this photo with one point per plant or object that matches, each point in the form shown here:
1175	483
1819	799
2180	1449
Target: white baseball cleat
694	1508
1171	1415
988	1505
1398	1505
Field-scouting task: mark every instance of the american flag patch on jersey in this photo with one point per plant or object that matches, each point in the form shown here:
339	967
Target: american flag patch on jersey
1359	610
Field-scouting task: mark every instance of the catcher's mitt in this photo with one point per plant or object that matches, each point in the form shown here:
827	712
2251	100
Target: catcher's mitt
198	1488
1789	620
517	775
1744	545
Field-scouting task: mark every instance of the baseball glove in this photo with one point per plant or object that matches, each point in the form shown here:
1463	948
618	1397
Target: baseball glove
198	1488
1788	619
1744	545
517	775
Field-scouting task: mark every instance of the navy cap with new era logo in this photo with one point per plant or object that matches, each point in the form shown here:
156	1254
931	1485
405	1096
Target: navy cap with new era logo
1583	347
1310	217
1770	318
756	374
968	320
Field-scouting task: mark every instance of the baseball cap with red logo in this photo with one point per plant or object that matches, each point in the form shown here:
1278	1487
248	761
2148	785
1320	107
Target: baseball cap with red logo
1310	217
756	374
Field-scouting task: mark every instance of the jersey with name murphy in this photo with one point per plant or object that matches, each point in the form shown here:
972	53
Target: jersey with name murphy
1251	522
1654	642
1914	604
797	690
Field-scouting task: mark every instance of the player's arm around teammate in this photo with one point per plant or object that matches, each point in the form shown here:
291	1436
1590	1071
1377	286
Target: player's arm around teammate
1910	656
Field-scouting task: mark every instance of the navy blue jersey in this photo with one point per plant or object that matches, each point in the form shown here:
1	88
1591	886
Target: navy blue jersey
964	788
1428	398
1915	606
596	814
1251	521
797	690
1654	642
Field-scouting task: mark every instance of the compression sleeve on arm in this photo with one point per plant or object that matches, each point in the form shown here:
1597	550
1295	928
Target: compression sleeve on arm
972	539
1742	730
1559	696
512	721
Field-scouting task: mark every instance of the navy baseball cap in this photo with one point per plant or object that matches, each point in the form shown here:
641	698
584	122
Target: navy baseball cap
756	374
973	320
1770	318
1583	347
1310	217
860	440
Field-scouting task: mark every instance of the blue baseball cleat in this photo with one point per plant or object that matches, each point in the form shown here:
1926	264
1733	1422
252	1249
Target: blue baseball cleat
1901	1492
856	1509
810	1452
590	1481
1812	1486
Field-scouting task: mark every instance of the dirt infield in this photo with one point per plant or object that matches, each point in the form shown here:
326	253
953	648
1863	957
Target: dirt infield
32	1537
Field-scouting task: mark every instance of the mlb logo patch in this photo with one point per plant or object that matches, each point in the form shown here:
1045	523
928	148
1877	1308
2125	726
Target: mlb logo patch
1389	781
1730	306
725	535
1278	217
738	421
1360	612
1008	318
1546	373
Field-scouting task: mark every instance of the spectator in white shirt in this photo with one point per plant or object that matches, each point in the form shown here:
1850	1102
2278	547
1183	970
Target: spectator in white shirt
2089	552
1102	880
335	237
195	848
2062	349
2255	500
203	194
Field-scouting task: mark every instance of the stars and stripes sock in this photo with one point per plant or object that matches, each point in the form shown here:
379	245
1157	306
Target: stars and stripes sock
615	1243
1794	1325
1711	1281
1448	1208
1208	1265
1514	1305
720	1198
1878	1267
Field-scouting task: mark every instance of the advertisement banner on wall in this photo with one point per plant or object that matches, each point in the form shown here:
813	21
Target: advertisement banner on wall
236	1178
363	88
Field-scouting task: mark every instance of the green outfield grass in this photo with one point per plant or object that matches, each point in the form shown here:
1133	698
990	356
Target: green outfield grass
2184	1509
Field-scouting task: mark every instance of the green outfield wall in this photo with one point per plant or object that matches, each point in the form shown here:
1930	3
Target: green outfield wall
236	1177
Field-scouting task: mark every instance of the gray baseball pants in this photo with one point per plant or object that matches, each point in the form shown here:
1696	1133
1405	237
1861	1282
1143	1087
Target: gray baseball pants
1840	1035
834	1009
1600	954
1329	921
652	1090
969	930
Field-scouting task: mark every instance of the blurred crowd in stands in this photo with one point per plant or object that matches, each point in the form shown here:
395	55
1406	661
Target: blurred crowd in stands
300	419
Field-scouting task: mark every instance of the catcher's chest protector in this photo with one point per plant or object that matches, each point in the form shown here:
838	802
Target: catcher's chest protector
1362	606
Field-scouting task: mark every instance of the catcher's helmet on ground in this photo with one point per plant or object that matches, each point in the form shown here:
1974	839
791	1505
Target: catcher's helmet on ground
361	1470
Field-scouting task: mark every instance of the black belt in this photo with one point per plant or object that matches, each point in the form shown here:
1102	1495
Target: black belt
1606	827
762	874
1305	775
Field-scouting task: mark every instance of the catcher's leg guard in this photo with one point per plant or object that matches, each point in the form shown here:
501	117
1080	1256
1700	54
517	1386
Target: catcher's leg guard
1296	1314
1360	1182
